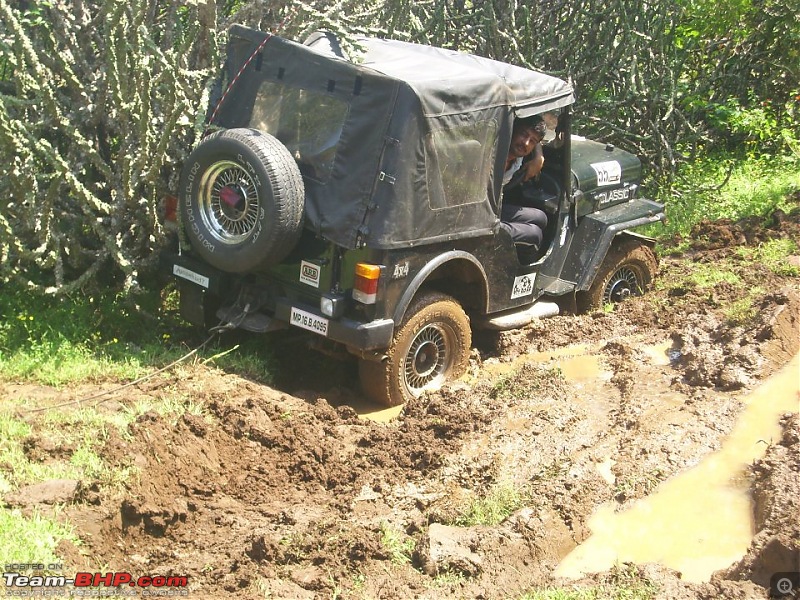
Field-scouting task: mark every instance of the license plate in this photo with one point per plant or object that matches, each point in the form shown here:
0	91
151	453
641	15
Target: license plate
190	275
306	320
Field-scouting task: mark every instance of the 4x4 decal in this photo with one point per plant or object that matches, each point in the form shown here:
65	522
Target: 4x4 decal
400	270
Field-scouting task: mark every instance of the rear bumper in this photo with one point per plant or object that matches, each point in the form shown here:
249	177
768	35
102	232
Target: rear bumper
372	335
202	284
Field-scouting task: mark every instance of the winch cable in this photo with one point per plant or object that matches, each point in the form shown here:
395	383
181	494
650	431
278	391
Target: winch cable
174	363
215	331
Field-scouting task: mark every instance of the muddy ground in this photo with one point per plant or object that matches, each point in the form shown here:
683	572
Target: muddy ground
288	493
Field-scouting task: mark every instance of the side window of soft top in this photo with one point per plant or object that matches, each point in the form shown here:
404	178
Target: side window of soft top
458	162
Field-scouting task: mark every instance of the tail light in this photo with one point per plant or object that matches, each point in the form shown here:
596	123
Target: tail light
170	209
365	288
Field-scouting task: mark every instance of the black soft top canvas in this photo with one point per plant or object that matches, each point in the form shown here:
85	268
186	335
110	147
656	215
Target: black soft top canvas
406	146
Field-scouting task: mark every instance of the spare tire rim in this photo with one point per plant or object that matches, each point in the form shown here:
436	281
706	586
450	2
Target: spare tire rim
428	358
623	283
229	203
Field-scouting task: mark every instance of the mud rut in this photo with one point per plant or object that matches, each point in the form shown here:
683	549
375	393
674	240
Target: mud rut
290	495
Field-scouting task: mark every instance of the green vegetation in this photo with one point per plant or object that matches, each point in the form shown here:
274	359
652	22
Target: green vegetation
448	578
590	593
31	540
494	507
729	186
79	432
398	545
705	275
638	484
741	312
58	340
623	583
691	90
524	380
774	254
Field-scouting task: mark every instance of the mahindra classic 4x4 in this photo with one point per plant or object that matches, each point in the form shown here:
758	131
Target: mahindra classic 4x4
360	200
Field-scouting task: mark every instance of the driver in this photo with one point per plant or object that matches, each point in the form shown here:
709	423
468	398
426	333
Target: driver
524	223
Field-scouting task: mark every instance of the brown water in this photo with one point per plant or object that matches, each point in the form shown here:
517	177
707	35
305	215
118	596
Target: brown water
575	362
701	520
375	412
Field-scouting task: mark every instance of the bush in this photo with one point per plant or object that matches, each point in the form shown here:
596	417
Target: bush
101	100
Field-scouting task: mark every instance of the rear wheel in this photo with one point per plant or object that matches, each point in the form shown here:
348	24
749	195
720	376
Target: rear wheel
628	270
430	348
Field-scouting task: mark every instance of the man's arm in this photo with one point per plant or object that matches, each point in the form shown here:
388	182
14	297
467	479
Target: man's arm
534	165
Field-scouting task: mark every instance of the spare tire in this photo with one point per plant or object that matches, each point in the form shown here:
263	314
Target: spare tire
241	200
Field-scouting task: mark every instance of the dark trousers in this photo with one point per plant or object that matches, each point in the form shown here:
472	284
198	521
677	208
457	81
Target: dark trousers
524	223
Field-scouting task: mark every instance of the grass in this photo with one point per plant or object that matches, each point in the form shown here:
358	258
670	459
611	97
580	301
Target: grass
397	544
637	485
622	583
31	540
80	432
757	186
774	254
448	578
741	312
59	341
524	381
493	508
704	275
171	406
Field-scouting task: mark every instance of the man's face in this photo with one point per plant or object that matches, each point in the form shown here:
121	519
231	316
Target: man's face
523	142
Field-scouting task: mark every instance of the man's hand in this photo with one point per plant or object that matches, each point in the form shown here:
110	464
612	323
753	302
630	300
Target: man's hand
534	166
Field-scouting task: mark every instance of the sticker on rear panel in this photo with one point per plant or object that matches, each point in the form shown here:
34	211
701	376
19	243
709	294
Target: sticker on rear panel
306	320
523	285
608	173
309	274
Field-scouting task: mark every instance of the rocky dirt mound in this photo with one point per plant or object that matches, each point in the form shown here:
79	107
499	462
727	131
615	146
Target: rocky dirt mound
262	488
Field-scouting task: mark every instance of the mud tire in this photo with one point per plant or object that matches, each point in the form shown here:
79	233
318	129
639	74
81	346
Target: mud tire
241	200
628	270
430	348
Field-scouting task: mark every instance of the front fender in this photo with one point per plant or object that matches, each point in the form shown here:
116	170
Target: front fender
596	232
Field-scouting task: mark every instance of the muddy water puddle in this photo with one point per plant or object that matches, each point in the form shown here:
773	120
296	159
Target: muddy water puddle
579	363
662	354
700	521
375	412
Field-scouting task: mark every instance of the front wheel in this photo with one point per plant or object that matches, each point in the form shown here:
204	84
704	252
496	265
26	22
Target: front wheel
430	348
628	270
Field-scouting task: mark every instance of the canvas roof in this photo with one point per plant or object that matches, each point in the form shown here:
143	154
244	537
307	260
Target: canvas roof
420	154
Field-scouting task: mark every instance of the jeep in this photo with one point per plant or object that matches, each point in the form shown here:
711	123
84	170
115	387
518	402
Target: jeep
360	199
